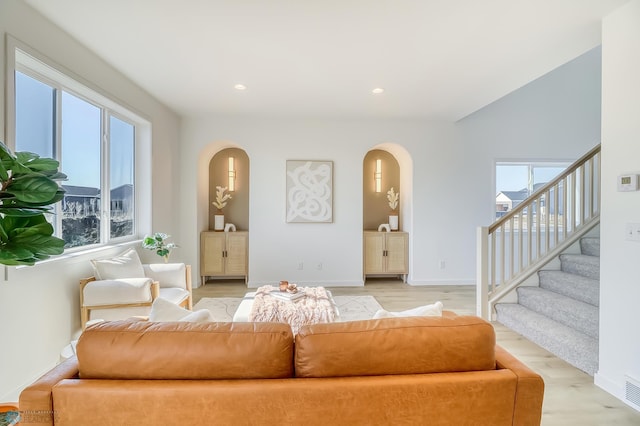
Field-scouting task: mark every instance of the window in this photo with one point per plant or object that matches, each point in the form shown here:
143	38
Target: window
96	142
515	181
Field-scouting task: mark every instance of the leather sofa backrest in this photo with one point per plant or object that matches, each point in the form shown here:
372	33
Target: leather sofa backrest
171	350
411	345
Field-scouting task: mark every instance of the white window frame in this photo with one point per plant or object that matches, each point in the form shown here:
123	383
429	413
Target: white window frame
531	163
22	58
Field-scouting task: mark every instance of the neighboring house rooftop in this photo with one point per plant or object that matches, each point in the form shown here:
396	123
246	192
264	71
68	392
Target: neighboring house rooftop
81	191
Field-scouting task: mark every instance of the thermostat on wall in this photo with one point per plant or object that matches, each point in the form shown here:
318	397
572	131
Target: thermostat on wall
627	183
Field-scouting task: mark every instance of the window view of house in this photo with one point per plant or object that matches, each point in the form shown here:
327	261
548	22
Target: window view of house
515	181
98	185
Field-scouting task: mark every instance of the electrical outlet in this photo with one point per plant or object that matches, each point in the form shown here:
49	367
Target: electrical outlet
300	266
628	232
319	266
442	264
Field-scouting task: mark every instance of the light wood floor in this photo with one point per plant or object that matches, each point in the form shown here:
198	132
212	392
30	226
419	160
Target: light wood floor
570	397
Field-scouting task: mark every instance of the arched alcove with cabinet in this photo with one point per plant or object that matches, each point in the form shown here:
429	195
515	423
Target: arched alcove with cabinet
229	168
225	254
386	246
378	166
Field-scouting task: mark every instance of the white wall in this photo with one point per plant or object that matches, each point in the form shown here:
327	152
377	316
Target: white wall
39	307
275	247
619	266
450	187
556	116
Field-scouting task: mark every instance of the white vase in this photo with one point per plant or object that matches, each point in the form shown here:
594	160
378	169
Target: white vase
218	222
393	222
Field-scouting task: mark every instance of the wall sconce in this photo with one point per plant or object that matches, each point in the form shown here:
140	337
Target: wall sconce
232	175
378	175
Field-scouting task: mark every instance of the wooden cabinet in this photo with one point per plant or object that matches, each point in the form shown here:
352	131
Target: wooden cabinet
386	253
223	254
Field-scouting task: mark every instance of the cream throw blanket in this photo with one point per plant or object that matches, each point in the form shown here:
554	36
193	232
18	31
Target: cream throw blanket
316	306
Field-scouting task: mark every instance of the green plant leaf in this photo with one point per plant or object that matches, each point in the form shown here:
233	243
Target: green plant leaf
22	211
28	188
33	188
25	240
35	163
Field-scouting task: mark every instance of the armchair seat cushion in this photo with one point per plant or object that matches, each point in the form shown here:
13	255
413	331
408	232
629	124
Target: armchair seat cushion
110	292
174	294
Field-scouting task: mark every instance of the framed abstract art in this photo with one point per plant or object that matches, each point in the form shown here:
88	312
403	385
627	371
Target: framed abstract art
309	191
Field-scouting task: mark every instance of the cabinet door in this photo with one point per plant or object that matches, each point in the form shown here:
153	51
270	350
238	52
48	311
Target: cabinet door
397	253
236	253
212	246
373	252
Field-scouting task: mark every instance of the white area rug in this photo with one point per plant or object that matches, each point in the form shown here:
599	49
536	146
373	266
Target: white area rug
351	308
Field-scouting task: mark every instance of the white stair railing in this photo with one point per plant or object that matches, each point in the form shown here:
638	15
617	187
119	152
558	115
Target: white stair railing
551	219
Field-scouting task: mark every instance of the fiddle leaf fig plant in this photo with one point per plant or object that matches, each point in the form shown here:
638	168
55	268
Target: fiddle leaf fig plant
28	189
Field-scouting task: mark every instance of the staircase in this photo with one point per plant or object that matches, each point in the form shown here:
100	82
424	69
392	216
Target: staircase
561	314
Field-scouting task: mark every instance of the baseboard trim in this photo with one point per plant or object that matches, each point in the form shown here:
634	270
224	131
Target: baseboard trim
301	283
441	282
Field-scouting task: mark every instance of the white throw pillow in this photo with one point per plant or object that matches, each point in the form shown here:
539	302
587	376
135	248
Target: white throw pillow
201	315
434	310
125	265
164	311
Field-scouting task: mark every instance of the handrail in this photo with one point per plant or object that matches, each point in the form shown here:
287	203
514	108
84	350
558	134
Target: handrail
535	231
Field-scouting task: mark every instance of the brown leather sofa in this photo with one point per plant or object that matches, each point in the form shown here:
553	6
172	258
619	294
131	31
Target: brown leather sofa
400	371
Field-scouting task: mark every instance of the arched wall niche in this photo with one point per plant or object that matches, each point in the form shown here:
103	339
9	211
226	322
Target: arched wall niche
404	162
237	209
375	207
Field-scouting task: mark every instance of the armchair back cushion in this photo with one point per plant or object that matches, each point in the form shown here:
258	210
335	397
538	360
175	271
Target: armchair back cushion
125	265
411	345
167	274
183	350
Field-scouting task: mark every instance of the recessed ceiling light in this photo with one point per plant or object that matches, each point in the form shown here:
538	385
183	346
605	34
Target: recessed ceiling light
240	87
377	90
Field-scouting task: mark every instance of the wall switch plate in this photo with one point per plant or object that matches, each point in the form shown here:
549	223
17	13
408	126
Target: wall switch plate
632	232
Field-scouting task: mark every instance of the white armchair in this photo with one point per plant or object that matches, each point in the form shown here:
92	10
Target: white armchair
124	287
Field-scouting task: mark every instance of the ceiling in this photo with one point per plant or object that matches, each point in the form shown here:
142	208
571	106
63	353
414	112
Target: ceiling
436	59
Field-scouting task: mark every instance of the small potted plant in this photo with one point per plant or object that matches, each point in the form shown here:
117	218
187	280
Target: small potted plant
392	198
222	198
158	243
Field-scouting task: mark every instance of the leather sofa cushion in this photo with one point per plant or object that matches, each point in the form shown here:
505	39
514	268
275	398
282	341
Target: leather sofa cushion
410	345
171	350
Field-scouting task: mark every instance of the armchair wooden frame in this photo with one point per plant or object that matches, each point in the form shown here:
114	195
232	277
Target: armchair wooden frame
85	311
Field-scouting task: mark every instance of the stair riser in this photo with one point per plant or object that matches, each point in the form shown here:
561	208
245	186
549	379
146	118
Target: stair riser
590	246
577	287
576	266
572	313
575	348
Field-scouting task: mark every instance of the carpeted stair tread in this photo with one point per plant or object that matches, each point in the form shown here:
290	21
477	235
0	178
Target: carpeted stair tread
570	312
590	246
576	348
575	286
580	264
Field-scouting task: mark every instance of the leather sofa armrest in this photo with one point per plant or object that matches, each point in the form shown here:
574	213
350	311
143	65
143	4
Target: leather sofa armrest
36	400
529	391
